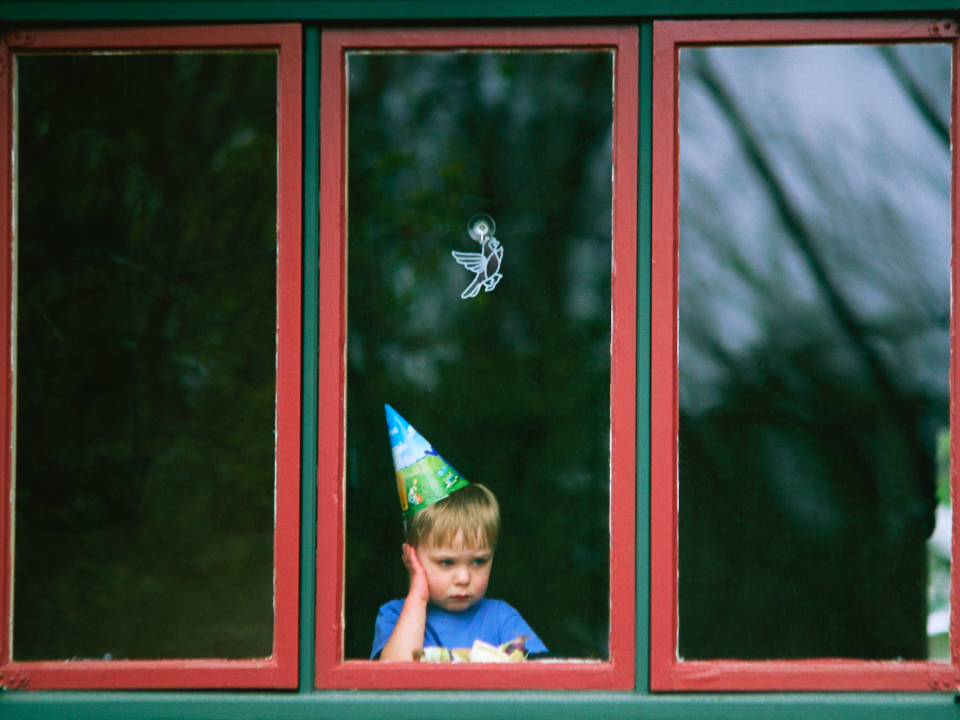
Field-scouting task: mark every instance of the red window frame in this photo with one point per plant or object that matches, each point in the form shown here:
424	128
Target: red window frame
331	670
279	670
667	672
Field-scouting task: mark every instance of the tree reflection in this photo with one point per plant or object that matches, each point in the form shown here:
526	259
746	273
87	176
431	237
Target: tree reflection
511	386
146	355
814	346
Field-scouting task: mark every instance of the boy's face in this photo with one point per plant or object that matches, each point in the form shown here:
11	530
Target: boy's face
457	575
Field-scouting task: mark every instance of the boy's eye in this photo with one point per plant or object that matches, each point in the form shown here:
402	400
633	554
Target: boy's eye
480	562
445	563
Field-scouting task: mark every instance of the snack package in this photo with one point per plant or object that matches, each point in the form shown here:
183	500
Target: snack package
432	654
513	651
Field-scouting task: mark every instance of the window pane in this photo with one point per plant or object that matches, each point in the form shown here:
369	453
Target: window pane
511	386
814	321
145	355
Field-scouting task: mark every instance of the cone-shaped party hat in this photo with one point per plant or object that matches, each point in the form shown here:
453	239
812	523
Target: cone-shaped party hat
423	477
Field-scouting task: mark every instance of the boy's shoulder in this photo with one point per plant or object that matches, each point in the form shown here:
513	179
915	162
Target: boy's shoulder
393	607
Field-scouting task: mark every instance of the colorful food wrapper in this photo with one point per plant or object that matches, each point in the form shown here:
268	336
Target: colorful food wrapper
423	477
513	651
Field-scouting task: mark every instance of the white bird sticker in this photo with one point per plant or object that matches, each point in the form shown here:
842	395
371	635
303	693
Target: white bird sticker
486	263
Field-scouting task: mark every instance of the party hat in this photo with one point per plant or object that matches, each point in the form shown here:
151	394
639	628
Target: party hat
423	477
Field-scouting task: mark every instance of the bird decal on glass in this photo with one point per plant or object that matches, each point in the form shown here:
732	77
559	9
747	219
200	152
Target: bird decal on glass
486	263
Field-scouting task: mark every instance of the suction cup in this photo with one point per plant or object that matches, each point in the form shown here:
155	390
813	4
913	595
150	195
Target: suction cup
481	226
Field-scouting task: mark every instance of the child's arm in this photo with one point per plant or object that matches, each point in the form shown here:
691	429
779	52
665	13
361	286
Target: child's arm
407	634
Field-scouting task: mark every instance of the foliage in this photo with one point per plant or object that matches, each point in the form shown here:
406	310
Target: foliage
511	386
146	251
814	347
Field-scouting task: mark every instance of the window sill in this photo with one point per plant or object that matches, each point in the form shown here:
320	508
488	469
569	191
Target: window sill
442	705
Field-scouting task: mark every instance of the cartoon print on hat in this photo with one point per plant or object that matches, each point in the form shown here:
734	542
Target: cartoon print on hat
423	477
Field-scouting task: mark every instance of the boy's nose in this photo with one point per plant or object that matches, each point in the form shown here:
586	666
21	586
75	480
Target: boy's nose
461	576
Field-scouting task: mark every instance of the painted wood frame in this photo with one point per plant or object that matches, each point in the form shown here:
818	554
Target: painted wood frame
667	671
279	670
331	670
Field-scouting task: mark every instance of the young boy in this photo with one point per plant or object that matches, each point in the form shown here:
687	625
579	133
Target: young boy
448	554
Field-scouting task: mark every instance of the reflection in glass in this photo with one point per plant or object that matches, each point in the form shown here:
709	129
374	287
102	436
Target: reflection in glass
814	348
145	330
511	386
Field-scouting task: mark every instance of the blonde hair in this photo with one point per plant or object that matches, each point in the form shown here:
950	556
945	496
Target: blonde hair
471	512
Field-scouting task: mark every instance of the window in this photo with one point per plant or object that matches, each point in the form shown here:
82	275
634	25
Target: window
152	342
802	316
316	644
527	384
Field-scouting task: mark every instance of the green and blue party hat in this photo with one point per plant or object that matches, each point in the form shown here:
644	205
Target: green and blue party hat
423	477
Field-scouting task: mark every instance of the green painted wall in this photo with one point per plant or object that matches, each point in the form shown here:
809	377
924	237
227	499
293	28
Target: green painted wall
442	706
380	10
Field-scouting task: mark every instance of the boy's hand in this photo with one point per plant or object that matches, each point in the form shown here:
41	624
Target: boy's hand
419	588
407	635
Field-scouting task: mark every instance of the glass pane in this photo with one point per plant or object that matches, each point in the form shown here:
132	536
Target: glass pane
145	355
814	320
512	385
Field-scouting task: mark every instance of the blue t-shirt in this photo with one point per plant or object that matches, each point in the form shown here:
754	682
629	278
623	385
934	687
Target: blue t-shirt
492	621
